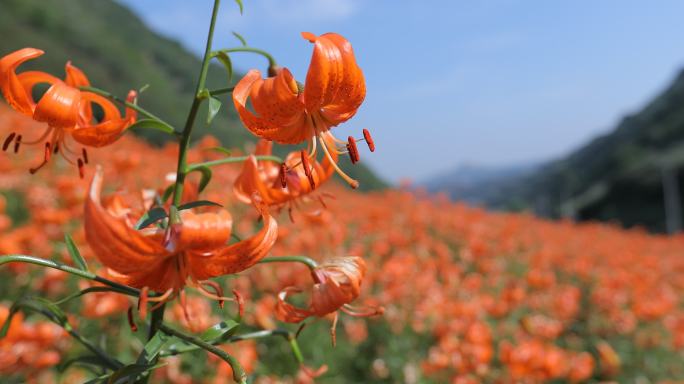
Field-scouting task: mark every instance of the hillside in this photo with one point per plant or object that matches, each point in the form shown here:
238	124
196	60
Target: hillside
119	52
615	177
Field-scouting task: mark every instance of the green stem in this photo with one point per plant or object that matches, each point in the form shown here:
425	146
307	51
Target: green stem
68	269
112	363
119	100
181	170
271	59
228	160
309	262
245	336
239	374
221	91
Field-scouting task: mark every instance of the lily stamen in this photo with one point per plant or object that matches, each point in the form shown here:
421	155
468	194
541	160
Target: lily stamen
46	158
352	183
8	141
131	320
361	311
17	143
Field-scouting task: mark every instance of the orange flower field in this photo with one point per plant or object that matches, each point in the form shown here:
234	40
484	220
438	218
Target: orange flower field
468	295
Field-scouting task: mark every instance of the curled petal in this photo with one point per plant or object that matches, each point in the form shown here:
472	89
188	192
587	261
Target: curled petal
115	243
59	107
236	257
204	231
287	312
335	85
338	283
10	85
109	129
283	121
76	78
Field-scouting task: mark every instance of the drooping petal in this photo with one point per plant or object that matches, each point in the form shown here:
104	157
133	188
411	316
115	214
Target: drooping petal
76	78
115	243
338	283
11	87
287	312
204	231
59	106
236	257
110	128
335	85
286	123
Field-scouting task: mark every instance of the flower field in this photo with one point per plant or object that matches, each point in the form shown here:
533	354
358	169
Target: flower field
469	296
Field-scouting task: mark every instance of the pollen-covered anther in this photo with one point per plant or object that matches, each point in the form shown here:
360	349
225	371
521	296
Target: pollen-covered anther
353	150
85	155
8	141
131	321
283	179
81	172
307	169
17	144
46	158
369	140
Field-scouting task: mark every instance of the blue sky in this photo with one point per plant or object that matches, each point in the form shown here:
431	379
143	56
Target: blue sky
453	82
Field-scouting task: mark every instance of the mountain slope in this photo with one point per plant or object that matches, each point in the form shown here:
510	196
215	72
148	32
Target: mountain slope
615	177
118	52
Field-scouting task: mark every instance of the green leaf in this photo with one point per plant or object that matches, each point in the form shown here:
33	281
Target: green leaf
5	327
40	305
222	150
153	124
239	37
131	372
220	332
83	360
239	3
152	348
74	253
206	176
199	203
143	88
227	63
152	216
167	193
213	108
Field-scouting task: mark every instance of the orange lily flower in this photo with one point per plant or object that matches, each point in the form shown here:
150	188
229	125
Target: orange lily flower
67	111
290	114
192	251
337	282
278	185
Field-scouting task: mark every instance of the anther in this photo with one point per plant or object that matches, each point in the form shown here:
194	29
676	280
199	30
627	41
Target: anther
369	140
283	171
80	168
17	143
353	151
8	141
56	148
307	169
85	155
46	158
131	321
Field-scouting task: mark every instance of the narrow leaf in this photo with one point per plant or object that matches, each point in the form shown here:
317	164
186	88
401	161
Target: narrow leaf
152	216
222	150
74	253
5	327
152	348
143	88
154	125
239	3
199	203
239	37
227	63
83	360
213	108
167	193
220	332
131	372
206	176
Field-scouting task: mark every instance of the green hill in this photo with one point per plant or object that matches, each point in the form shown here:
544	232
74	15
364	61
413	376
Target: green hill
119	52
615	177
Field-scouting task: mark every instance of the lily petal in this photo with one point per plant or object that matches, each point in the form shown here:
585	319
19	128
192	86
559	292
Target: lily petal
236	257
115	243
10	85
59	107
335	85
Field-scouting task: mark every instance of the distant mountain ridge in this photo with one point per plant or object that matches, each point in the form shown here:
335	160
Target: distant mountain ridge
618	176
119	52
